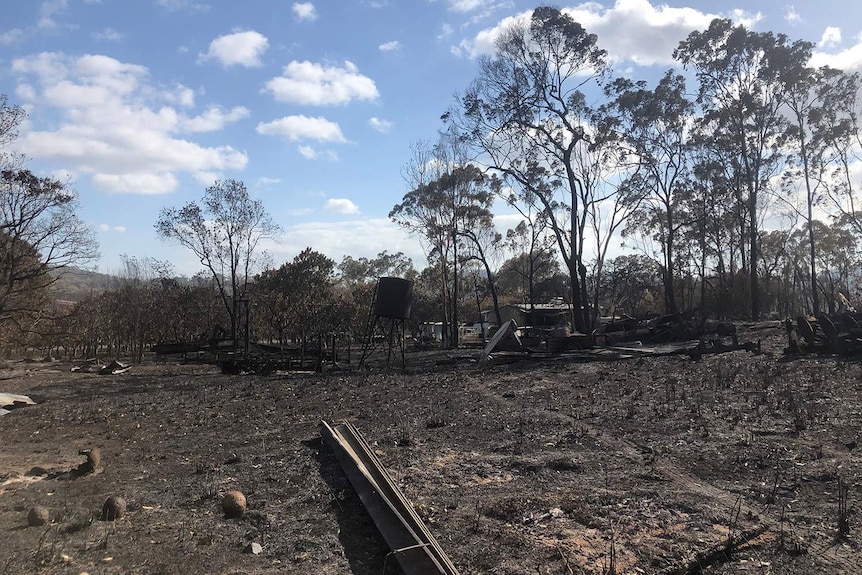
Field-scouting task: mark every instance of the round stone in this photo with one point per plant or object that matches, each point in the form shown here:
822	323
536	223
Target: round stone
233	504
114	508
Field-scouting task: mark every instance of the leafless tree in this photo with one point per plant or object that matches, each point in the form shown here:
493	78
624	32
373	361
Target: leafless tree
224	231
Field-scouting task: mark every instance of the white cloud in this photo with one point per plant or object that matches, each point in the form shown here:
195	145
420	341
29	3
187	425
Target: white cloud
181	96
380	125
465	5
147	184
390	46
108	34
446	31
831	37
313	84
110	228
477	10
483	42
744	17
630	30
792	16
237	49
263	182
485	6
307	152
113	124
312	153
215	118
304	11
298	128
367	238
177	5
48	11
340	206
849	60
10	36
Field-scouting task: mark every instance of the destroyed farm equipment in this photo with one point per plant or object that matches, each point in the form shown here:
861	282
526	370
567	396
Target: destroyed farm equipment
840	334
665	329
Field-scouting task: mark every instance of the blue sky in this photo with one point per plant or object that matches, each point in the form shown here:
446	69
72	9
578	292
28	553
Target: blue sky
141	104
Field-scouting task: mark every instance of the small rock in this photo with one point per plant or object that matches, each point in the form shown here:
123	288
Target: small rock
114	508
233	504
253	549
37	471
37	516
93	463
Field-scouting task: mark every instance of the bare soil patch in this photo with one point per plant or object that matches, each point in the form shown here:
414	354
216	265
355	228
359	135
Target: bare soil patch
736	463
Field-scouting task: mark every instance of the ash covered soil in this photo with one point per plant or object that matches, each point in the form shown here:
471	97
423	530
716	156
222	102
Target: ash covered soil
546	465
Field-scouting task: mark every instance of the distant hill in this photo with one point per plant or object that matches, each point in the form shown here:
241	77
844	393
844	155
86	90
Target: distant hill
75	284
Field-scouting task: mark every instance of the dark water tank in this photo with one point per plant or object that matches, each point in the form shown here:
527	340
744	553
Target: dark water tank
394	298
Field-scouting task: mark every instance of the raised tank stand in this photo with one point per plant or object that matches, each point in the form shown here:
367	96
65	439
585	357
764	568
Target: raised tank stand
390	309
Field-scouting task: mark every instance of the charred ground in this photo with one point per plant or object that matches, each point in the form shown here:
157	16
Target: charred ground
642	465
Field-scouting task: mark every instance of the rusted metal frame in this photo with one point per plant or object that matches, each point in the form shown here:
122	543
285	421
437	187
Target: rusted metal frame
411	542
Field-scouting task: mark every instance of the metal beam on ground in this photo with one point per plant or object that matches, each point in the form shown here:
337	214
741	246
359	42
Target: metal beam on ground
411	542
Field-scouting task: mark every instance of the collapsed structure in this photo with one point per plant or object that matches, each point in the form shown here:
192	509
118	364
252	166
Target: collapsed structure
839	333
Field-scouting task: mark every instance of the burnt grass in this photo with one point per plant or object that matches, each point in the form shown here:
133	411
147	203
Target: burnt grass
737	463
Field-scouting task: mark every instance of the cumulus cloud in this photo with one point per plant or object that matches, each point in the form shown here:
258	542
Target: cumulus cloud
340	206
744	17
299	128
630	30
831	37
390	46
483	42
380	125
849	60
146	184
214	118
314	84
181	96
114	124
237	49
304	11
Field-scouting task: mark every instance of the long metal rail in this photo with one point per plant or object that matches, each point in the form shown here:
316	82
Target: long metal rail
411	542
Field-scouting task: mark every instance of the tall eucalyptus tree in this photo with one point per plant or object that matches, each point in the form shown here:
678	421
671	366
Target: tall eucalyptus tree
527	116
654	126
743	77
